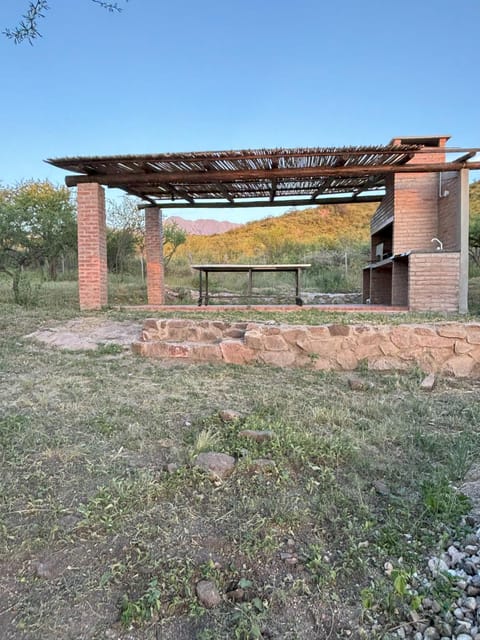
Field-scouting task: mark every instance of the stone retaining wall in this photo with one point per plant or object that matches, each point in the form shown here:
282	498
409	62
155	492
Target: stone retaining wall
450	348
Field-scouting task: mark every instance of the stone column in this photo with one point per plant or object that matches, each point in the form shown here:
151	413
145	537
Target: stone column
154	252
92	246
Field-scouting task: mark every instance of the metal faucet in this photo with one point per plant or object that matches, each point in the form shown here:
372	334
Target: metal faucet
440	243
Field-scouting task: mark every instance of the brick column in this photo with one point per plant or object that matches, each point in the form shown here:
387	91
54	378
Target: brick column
92	246
154	251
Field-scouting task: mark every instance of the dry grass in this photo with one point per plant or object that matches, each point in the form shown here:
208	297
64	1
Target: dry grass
97	540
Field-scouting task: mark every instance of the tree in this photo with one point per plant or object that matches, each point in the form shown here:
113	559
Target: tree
474	234
173	237
126	234
37	226
27	28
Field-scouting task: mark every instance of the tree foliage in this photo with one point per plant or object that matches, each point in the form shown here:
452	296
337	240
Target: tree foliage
28	25
474	236
37	226
126	235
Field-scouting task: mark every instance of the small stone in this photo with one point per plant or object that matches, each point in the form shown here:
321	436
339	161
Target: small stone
470	604
228	415
444	629
458	613
437	566
464	636
381	488
356	384
258	436
208	594
236	594
431	634
475	581
50	568
171	467
455	555
471	549
219	465
428	382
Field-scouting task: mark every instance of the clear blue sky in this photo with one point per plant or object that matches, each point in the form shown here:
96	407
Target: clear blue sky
188	75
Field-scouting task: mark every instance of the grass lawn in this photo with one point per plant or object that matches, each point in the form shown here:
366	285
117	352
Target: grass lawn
99	540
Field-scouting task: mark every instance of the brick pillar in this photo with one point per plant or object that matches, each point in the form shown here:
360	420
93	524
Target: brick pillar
154	251
92	246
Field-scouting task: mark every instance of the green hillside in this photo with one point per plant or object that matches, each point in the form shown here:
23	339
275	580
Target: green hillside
320	227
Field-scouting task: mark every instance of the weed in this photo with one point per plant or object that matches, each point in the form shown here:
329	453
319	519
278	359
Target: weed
443	501
247	619
144	608
109	349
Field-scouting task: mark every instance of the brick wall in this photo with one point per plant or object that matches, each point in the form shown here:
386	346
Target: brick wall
92	246
154	253
400	283
384	214
381	285
416	211
433	281
449	211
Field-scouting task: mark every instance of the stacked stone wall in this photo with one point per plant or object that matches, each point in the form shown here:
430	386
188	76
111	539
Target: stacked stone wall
449	348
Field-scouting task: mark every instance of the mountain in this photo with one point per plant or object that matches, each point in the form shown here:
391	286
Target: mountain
202	227
326	226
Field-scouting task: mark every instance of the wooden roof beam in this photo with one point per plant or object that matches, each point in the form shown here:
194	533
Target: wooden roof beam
226	192
194	177
273	189
181	192
297	202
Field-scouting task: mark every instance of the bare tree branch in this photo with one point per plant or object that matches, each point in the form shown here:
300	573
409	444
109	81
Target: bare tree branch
27	28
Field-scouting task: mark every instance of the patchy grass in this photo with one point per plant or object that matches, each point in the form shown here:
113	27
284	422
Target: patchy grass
98	539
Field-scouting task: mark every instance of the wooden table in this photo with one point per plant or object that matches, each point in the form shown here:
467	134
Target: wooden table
205	269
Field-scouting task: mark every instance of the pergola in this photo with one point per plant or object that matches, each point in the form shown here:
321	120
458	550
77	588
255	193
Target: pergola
243	178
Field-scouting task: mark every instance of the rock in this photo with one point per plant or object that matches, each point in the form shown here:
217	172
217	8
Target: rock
428	382
237	594
50	568
431	634
437	565
258	436
219	465
470	603
381	488
208	594
357	384
171	467
455	555
228	415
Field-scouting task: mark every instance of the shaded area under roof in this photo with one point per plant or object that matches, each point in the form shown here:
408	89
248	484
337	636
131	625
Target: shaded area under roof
259	177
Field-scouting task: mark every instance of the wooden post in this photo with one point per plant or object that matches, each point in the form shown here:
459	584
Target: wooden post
154	252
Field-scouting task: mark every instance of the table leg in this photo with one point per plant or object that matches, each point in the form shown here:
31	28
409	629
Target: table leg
298	300
206	288
200	293
250	284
